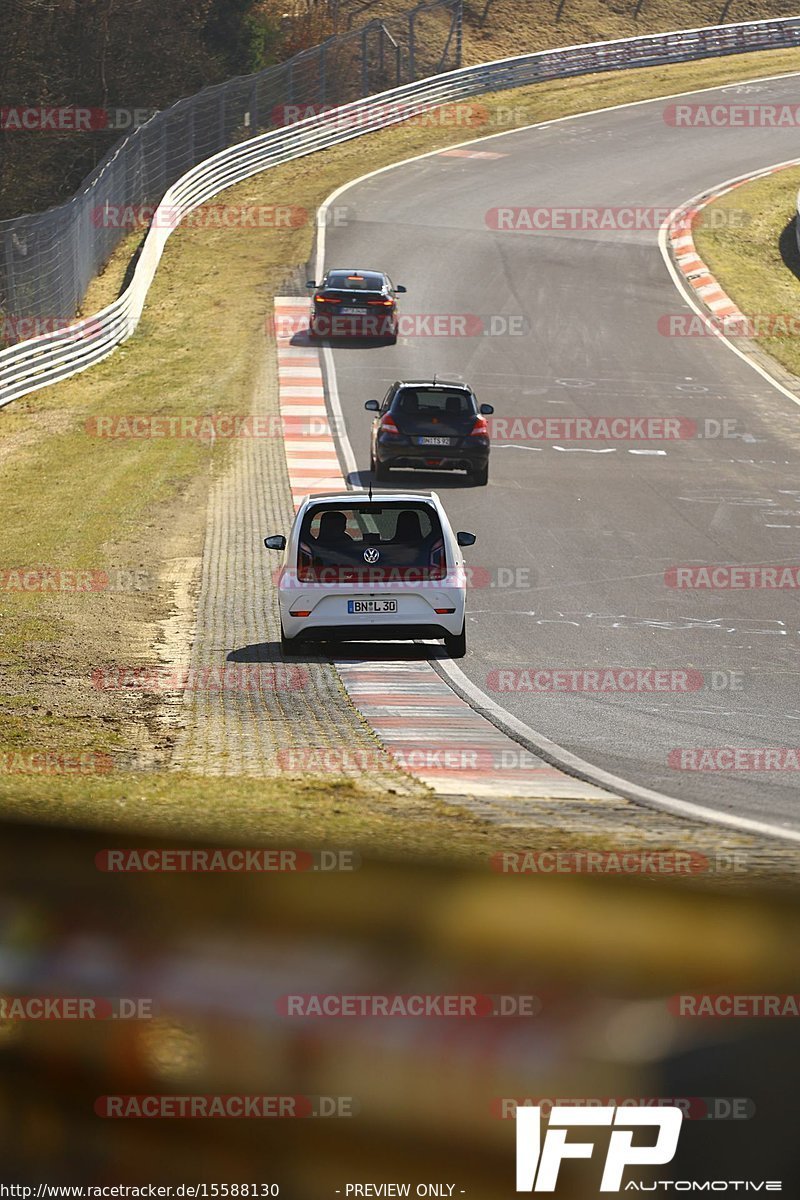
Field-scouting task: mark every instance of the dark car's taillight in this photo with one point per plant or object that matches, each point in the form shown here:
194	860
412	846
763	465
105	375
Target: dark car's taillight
480	429
388	431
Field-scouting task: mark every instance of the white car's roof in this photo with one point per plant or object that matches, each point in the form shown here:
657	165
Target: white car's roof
350	497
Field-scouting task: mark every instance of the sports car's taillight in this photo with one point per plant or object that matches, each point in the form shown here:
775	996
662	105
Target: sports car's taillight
383	303
320	299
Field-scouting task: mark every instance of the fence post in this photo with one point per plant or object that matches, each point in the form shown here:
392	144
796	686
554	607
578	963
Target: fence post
254	122
364	67
412	49
8	297
191	134
459	18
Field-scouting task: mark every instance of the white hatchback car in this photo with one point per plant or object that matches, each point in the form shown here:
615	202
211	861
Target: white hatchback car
372	566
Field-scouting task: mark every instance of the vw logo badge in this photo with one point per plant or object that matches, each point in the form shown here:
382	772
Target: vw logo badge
372	555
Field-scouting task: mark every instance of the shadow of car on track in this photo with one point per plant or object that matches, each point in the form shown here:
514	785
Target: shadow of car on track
303	338
312	652
410	481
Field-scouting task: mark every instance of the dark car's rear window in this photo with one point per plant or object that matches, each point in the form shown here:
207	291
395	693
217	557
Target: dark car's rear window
397	539
365	281
429	402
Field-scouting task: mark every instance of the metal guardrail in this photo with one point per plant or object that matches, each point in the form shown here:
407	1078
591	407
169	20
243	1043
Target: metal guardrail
51	357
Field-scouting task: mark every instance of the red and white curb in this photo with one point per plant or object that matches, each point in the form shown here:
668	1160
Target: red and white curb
310	450
419	719
727	314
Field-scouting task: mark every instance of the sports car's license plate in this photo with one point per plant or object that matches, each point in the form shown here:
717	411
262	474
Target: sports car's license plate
353	312
434	441
371	606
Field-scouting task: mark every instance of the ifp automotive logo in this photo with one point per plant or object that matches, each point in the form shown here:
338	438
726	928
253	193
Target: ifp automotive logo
538	1162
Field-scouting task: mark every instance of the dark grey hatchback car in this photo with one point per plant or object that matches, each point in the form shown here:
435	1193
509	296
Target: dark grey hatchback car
432	425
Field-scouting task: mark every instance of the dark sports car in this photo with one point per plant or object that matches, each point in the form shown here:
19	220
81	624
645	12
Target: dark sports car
354	304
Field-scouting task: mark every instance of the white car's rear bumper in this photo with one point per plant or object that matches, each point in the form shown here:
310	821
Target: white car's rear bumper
328	616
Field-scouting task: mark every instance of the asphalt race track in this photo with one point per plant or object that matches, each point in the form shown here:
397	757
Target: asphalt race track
586	530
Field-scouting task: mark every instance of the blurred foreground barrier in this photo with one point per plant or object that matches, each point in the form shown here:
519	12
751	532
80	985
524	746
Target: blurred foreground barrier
300	984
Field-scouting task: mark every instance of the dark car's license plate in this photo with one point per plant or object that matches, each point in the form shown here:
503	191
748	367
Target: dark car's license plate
434	441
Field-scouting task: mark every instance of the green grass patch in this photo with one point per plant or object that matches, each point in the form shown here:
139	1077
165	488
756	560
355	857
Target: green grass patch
748	242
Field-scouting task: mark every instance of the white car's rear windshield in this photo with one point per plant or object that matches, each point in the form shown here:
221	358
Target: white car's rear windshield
373	540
